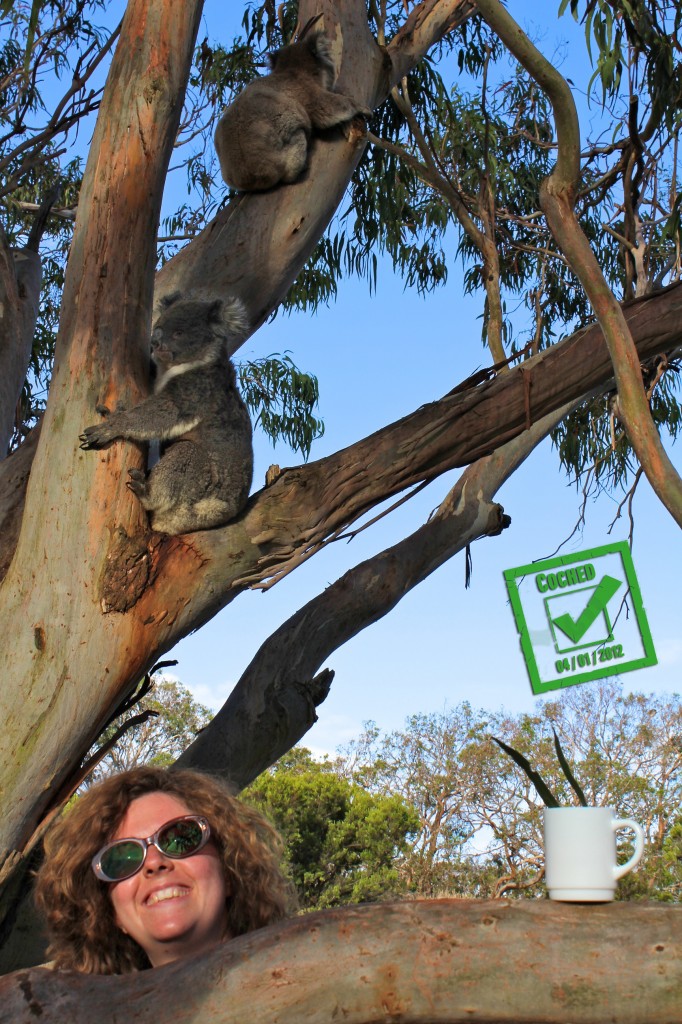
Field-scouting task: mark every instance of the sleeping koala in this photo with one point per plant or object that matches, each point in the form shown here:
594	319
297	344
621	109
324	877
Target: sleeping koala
262	137
204	474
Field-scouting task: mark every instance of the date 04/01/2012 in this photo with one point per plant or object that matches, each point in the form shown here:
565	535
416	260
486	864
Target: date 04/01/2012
584	660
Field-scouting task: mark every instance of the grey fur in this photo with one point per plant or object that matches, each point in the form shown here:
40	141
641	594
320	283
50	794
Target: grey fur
263	136
204	474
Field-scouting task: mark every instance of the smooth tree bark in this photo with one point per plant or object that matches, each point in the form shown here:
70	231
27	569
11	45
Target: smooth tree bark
417	962
20	279
59	648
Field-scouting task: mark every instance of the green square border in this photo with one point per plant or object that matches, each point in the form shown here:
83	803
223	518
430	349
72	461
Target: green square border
617	547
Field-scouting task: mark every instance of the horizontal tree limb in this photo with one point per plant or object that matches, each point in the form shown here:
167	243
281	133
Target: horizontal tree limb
417	962
309	505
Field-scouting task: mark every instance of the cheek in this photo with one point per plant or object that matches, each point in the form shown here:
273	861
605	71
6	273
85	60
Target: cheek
121	901
212	879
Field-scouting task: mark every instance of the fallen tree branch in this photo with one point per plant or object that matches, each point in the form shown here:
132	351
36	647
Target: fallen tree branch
417	962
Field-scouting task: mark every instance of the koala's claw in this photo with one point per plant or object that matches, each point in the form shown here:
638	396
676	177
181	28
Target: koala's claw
91	438
138	482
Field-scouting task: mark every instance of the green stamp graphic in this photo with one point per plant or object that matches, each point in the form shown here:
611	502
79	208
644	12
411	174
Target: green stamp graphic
580	617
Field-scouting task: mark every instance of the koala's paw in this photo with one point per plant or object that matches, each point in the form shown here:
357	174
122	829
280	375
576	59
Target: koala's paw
356	129
271	474
137	483
97	436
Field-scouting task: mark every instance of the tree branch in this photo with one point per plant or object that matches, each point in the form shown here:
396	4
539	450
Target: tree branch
20	278
275	232
273	704
557	199
442	961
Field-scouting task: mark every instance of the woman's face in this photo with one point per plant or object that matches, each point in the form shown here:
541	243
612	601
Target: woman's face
171	908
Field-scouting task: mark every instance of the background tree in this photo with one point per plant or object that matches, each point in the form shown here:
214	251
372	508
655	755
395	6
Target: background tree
89	598
480	817
343	843
159	725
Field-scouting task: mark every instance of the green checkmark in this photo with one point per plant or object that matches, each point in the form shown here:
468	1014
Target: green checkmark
575	629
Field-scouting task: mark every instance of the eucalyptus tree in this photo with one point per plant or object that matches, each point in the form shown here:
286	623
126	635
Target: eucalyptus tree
480	817
90	599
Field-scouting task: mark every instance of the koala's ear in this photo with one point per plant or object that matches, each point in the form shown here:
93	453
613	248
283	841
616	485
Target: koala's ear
168	300
273	58
320	47
213	311
233	317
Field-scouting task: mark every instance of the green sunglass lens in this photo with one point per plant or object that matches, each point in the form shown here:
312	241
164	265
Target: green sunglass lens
122	860
181	838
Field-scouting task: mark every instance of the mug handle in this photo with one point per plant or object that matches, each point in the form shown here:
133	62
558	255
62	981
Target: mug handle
622	869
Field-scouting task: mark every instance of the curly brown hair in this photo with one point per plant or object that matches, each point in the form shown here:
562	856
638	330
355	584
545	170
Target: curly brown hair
76	905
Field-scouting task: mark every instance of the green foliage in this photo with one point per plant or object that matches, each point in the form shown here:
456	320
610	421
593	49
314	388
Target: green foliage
592	444
480	817
627	29
283	399
490	137
172	718
343	844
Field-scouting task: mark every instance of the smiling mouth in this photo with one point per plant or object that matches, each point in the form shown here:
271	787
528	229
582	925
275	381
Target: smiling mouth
171	893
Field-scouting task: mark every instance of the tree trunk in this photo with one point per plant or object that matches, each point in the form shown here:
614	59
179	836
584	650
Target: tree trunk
61	657
420	962
20	279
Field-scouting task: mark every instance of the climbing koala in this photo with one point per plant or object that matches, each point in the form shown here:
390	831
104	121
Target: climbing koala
262	137
204	474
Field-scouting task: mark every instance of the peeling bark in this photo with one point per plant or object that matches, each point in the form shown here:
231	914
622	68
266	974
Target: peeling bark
417	962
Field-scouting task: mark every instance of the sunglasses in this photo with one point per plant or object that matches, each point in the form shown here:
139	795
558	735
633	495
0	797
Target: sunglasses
179	838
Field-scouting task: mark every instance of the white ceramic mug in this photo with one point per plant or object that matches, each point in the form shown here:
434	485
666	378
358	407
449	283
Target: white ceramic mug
580	853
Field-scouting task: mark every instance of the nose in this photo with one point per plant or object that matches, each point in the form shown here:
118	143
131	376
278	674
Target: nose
156	861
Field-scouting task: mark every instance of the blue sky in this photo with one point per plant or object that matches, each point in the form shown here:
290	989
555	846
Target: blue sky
378	358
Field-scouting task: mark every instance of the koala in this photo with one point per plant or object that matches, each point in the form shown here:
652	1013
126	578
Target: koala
204	474
263	136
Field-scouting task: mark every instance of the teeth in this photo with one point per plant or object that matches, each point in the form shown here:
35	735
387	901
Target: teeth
172	892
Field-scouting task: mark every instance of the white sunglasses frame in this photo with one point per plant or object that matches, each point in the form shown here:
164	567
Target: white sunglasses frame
96	862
